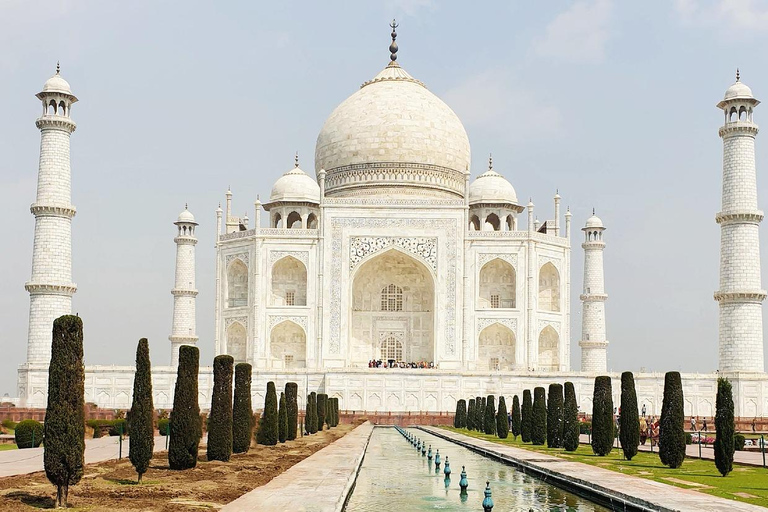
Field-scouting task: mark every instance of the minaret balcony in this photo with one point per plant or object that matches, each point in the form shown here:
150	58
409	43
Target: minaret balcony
741	296
593	297
176	292
50	289
739	127
42	210
739	217
593	344
56	122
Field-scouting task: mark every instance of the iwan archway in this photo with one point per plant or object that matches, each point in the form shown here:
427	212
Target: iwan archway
393	309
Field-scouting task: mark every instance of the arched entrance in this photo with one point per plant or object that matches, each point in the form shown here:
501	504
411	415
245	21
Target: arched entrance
288	346
549	349
393	296
496	348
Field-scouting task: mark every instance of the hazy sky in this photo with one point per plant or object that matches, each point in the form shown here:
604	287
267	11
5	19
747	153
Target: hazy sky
611	102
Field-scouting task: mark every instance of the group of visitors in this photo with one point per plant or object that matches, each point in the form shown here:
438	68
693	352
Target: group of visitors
391	363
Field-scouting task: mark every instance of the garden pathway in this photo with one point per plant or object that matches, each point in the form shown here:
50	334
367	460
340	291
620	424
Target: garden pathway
610	484
30	460
319	483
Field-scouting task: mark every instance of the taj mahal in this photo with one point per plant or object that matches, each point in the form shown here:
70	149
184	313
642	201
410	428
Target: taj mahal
388	278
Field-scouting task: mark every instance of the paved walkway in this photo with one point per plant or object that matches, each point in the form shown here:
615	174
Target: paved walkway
642	493
319	483
30	460
707	452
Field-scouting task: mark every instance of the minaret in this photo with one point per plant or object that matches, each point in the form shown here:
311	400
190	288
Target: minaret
593	344
184	292
740	295
50	287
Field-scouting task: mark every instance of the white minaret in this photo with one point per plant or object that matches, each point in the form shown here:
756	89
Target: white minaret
184	292
50	287
594	346
740	295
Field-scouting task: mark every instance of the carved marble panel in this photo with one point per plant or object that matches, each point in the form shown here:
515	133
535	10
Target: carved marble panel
362	246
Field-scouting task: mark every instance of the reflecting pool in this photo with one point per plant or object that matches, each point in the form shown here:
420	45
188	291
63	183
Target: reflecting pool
396	476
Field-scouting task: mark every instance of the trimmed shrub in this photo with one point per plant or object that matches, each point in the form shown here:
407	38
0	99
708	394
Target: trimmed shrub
502	421
688	437
268	426
292	405
516	419
460	419
526	420
481	414
142	413
555	416
602	416
738	442
29	434
242	410
489	423
725	442
672	422
322	410
539	416
221	418
64	426
629	420
571	427
585	427
471	415
162	426
282	419
186	429
312	416
10	424
333	412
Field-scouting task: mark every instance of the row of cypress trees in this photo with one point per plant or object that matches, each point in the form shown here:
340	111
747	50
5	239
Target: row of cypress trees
279	423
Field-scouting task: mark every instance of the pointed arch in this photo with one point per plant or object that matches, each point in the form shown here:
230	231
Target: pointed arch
492	223
549	288
474	223
293	221
289	282
237	284
288	345
496	348
498	285
312	221
549	349
277	221
237	342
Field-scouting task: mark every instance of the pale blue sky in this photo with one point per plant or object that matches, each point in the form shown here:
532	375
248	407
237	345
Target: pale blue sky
611	102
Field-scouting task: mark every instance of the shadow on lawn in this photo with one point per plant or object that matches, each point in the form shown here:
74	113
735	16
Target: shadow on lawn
32	500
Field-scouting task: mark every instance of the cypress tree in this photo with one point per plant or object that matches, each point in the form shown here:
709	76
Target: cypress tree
312	417
461	408
64	426
292	408
142	413
502	421
539	416
336	412
220	424
333	410
629	419
480	414
570	419
526	423
322	410
490	416
269	427
516	419
471	414
555	416
185	425
672	422
242	410
307	414
725	427
602	416
282	415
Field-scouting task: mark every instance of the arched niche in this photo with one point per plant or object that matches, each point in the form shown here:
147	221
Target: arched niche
236	342
237	284
549	349
498	285
289	282
496	348
549	288
288	346
293	221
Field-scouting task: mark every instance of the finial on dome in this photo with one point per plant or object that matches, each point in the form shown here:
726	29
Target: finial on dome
490	161
186	206
738	76
393	46
296	160
593	210
58	67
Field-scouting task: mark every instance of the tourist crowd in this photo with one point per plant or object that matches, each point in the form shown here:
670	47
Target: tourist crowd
391	363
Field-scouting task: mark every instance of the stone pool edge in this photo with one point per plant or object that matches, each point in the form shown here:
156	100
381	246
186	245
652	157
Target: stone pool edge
681	499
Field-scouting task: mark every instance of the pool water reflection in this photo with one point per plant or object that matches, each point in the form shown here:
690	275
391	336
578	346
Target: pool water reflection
396	476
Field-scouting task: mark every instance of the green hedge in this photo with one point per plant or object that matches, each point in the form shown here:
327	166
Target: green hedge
10	424
24	434
539	416
162	426
739	442
114	425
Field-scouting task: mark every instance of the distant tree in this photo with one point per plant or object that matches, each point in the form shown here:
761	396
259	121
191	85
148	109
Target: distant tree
242	410
502	421
526	420
268	425
471	414
629	419
142	415
64	426
221	420
555	416
292	405
322	406
490	416
516	418
282	416
570	419
185	426
28	434
539	416
460	420
602	416
725	427
672	422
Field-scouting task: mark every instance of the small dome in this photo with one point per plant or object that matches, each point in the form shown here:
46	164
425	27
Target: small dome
491	187
57	84
739	90
594	222
186	216
295	186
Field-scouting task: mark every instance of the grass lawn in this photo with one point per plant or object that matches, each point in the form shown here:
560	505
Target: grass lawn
4	447
746	483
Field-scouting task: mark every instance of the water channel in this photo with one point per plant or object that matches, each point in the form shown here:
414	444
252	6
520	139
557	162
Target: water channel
395	476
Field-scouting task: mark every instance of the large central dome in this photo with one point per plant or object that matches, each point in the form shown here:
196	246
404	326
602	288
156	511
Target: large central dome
393	137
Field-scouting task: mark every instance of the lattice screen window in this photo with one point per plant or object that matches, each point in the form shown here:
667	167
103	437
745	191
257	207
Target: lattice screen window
290	298
392	298
495	301
495	363
288	359
391	349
